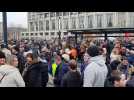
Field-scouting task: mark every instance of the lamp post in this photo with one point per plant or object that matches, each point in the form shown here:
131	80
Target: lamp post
4	14
59	33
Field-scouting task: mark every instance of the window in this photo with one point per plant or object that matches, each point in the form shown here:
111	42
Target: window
90	21
40	16
41	34
52	14
46	15
53	24
22	34
65	13
52	33
109	20
36	34
40	25
58	14
99	20
31	34
121	19
80	12
66	24
47	24
33	17
131	24
81	22
36	26
31	26
27	34
46	33
73	23
73	13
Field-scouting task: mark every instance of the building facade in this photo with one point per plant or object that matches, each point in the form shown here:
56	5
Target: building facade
14	33
46	25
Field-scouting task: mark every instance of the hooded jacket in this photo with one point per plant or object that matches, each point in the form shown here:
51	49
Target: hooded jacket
12	77
95	73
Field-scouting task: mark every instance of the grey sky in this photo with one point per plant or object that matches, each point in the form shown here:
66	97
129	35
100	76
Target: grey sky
16	19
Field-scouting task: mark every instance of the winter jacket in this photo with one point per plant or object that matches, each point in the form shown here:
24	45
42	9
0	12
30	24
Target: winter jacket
61	70
36	75
21	62
95	73
71	79
11	77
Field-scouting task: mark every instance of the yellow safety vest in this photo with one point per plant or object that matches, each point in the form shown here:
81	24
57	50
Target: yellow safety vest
54	67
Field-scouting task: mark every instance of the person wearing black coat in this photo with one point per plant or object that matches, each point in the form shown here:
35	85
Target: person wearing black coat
21	60
72	78
36	74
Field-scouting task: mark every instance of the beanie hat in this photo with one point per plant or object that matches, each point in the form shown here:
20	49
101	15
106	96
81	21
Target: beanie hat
66	57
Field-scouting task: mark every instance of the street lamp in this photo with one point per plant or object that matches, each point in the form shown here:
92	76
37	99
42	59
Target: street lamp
4	14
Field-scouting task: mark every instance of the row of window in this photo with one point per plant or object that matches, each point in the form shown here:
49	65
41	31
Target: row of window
121	22
51	14
35	27
41	34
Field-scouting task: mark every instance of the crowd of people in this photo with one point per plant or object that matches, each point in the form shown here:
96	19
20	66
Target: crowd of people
89	63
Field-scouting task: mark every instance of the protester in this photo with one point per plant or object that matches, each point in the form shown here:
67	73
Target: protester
15	50
118	80
72	78
10	75
125	67
96	71
61	70
115	55
114	70
36	72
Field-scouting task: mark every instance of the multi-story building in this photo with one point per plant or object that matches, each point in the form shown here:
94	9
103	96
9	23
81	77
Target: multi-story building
46	25
14	33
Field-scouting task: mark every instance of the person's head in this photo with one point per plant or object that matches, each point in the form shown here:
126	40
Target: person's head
72	65
86	58
15	50
31	58
123	50
15	61
118	80
93	51
66	58
2	46
12	60
2	58
125	60
21	49
114	64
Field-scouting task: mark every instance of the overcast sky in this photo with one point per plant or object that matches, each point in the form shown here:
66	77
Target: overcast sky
16	19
